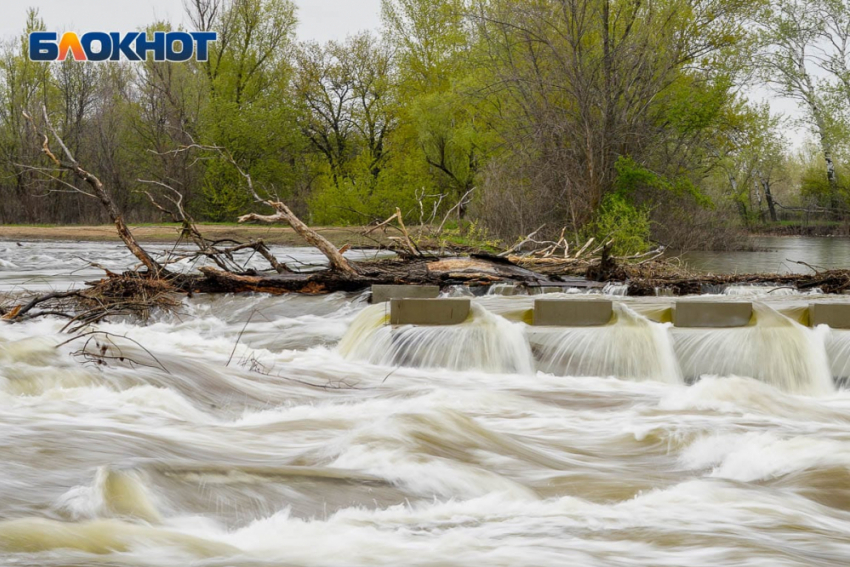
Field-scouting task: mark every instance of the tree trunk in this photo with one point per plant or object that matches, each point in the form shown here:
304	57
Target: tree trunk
771	206
117	219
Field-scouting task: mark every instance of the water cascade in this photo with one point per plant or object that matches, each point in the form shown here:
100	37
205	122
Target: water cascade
484	342
252	429
632	347
838	352
776	350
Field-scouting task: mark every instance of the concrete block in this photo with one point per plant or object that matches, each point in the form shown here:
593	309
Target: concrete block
572	312
383	293
836	315
429	311
712	314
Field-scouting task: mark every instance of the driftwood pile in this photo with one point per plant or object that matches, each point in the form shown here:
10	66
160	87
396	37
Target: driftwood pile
130	294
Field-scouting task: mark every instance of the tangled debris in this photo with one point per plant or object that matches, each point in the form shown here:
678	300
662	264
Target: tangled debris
130	294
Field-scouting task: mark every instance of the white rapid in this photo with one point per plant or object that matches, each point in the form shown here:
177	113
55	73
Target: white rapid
260	431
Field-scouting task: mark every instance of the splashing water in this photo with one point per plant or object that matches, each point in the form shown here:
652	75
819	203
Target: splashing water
282	443
838	351
620	290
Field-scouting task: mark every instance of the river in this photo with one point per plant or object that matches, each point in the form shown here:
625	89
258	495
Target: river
258	430
776	255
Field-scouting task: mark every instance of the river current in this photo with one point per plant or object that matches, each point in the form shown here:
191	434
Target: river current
299	430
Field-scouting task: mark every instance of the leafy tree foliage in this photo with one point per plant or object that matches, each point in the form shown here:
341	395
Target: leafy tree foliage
608	118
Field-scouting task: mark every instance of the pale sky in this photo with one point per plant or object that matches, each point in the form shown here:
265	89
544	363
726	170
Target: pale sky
320	20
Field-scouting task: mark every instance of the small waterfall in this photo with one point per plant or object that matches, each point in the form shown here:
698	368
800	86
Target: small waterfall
838	350
632	348
776	350
485	342
616	289
504	289
759	290
365	325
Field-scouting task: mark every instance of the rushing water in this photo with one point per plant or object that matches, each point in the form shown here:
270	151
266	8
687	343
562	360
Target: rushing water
257	430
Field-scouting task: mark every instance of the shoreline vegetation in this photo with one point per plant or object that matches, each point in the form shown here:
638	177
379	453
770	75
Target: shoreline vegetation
424	256
612	120
444	254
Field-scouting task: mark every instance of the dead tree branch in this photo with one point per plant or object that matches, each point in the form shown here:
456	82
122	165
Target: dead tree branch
223	257
336	259
99	191
282	213
18	313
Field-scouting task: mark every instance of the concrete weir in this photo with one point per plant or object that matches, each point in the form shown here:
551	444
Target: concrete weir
836	315
429	311
384	293
572	312
712	314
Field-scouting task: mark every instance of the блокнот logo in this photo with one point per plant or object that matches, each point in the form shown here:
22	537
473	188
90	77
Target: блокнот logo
133	46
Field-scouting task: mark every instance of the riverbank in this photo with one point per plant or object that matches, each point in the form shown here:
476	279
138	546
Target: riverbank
819	228
168	232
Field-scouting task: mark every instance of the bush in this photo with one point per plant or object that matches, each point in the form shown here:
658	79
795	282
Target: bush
223	192
360	197
629	226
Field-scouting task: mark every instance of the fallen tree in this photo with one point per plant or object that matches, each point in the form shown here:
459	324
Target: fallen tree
98	190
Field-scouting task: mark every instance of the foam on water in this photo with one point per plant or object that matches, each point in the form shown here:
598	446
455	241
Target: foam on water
758	456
